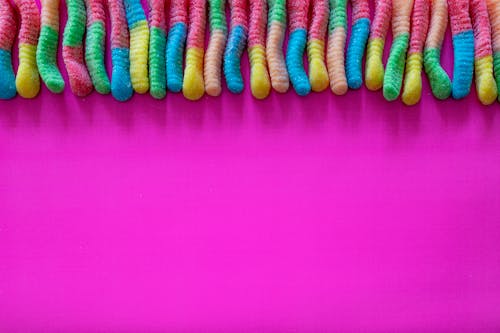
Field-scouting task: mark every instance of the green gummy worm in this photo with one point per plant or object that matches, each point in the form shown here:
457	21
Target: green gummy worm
393	78
157	71
439	80
94	57
46	59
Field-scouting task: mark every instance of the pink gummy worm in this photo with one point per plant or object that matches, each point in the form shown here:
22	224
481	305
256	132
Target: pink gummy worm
157	18
95	11
319	21
258	23
197	21
420	23
178	12
297	13
30	22
360	9
482	29
7	25
119	29
383	12
239	16
459	16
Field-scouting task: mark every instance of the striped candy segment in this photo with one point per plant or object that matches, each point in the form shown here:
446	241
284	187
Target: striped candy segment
27	79
7	36
235	45
274	45
157	48
318	74
259	79
216	45
494	15
336	45
297	13
194	85
46	53
175	44
357	43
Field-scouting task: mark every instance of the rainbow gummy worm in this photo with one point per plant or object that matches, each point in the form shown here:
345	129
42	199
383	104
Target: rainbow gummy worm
485	82
193	86
357	43
139	44
27	79
412	90
94	45
463	47
297	13
235	45
393	77
79	78
121	86
7	36
46	52
259	78
175	44
439	80
494	15
336	45
216	44
318	75
274	45
157	44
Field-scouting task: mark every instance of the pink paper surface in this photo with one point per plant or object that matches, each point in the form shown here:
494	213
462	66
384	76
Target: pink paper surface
316	214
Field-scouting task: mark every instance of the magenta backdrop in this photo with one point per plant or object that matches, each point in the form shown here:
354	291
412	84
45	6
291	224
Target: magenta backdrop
316	214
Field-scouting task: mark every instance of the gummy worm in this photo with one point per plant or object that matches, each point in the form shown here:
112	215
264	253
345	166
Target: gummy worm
318	75
157	44
463	47
336	45
393	78
274	45
139	44
439	80
494	15
46	52
175	44
7	36
235	45
357	43
216	44
412	90
259	78
79	78
193	86
297	13
27	79
485	81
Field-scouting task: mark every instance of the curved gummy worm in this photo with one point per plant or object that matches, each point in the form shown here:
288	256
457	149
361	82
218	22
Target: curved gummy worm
393	77
463	47
216	44
336	45
79	78
274	45
357	43
318	74
297	13
374	75
7	36
412	90
94	45
235	45
27	79
259	79
193	86
121	86
46	52
494	15
439	80
139	45
486	86
175	44
157	44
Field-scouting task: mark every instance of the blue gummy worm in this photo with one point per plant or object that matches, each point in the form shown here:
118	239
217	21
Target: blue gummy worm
295	62
134	12
232	59
463	49
175	56
121	86
7	77
355	52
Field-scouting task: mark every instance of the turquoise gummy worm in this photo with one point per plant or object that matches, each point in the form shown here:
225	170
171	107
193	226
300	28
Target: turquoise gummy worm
7	36
235	45
357	44
176	43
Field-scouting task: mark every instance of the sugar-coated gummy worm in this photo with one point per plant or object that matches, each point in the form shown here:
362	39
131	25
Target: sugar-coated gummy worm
318	74
157	44
438	78
357	43
79	78
494	15
259	78
46	52
175	44
235	45
121	86
216	45
274	45
95	44
394	71
139	45
412	91
298	17
463	47
374	75
7	36
193	86
336	45
486	86
27	79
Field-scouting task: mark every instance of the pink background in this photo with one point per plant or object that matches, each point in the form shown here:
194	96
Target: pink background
314	214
